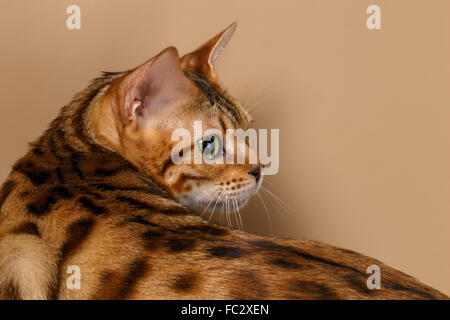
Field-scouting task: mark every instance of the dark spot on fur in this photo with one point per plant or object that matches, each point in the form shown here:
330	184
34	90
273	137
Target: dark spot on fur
38	151
279	262
28	228
6	191
185	282
93	194
91	206
62	192
19	165
226	252
76	165
205	229
180	245
358	283
267	244
313	290
25	194
115	285
100	172
105	187
37	176
150	234
140	220
308	256
107	286
10	291
152	238
76	233
60	176
251	287
136	270
42	205
286	249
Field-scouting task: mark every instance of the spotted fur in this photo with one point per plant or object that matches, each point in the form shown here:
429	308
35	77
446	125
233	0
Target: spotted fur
92	194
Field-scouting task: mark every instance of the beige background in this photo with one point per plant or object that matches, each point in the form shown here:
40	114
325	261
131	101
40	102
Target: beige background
363	115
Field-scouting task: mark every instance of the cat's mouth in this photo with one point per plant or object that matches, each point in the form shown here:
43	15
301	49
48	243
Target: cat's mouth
220	198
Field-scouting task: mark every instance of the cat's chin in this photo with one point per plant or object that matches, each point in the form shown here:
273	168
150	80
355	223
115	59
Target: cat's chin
225	203
216	198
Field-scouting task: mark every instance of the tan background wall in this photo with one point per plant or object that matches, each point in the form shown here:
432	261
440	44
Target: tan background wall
363	115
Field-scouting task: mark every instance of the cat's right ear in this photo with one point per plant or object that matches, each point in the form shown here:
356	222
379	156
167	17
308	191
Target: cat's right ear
156	84
204	58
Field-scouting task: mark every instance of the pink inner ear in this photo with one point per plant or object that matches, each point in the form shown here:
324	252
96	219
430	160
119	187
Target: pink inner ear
156	84
134	109
165	82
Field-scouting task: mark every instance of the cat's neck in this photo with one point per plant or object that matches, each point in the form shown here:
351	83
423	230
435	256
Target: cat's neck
69	154
70	151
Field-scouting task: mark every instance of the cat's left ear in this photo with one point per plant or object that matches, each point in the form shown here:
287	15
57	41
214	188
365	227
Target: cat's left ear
153	86
203	59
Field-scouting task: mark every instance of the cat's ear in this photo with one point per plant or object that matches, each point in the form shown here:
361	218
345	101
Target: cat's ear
156	84
203	59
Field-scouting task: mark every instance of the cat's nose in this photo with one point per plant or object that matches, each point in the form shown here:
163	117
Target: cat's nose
256	172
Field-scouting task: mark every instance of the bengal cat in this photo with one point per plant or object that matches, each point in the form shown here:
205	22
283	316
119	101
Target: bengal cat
99	190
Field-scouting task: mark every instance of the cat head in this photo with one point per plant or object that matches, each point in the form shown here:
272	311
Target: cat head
140	111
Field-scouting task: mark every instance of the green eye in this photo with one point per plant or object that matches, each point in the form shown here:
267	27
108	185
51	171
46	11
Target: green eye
210	146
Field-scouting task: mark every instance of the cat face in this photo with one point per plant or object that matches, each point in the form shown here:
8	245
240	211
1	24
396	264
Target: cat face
167	93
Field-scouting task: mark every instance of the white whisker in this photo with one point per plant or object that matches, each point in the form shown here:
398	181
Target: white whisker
222	211
226	210
267	212
218	199
234	211
210	201
254	94
238	214
230	224
274	205
287	208
253	107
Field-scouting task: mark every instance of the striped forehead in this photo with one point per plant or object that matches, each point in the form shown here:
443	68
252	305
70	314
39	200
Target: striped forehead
217	98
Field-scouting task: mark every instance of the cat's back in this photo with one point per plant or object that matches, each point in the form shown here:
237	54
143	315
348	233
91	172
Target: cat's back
149	255
128	239
200	261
